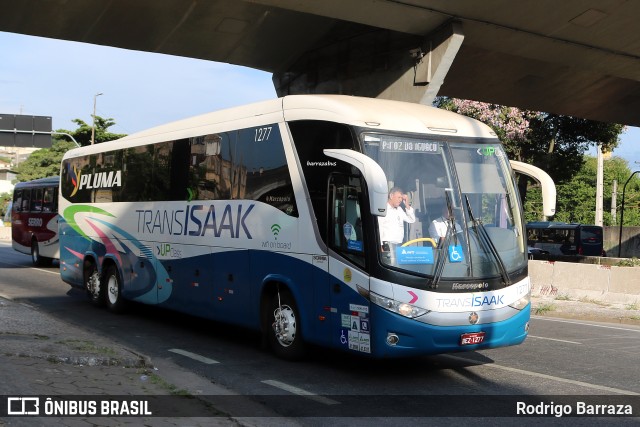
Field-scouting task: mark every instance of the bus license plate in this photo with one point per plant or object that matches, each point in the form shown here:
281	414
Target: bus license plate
472	338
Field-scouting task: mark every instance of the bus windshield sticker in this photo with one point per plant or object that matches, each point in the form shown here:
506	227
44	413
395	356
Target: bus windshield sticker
455	253
355	245
487	151
348	231
414	255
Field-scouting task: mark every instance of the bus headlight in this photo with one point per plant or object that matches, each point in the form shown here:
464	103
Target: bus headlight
407	310
522	302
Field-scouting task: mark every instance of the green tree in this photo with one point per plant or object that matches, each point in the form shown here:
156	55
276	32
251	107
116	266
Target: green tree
44	162
557	144
551	142
621	172
83	133
577	196
5	198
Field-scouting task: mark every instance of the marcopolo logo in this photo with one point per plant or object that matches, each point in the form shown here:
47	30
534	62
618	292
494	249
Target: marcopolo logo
96	180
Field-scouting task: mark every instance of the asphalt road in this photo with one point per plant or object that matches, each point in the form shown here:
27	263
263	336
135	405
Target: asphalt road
560	358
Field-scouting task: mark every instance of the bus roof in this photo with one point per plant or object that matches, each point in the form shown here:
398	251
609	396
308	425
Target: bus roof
553	224
41	182
376	114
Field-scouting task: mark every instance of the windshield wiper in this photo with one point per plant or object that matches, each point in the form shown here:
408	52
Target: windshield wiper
439	267
484	238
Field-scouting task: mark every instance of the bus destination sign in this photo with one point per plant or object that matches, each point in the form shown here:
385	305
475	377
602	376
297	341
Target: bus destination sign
409	146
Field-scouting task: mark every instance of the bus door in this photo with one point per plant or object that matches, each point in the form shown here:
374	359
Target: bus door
350	310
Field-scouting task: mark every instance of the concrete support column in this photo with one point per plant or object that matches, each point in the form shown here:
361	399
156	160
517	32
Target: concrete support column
376	64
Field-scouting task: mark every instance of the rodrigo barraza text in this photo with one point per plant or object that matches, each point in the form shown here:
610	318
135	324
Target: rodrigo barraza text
579	408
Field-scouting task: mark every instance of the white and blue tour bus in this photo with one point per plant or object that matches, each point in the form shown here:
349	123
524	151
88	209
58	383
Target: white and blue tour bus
267	216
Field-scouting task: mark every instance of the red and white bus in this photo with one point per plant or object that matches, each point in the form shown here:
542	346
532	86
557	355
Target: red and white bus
34	219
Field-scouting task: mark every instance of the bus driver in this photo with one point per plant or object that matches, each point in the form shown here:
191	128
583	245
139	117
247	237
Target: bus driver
439	226
399	211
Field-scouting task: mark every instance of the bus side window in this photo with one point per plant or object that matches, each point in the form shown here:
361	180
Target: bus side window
36	200
47	200
55	199
17	201
26	196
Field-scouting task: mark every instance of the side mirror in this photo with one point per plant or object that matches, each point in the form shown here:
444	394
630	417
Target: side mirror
546	183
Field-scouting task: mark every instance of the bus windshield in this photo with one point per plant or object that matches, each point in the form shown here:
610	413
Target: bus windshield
460	214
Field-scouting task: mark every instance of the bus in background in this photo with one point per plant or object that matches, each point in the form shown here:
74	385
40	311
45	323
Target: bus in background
268	216
565	239
34	219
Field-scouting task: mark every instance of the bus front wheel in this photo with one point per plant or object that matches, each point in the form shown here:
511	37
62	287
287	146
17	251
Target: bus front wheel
37	259
111	284
283	327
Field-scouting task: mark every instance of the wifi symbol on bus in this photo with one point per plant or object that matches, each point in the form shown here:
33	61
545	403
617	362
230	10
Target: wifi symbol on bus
275	229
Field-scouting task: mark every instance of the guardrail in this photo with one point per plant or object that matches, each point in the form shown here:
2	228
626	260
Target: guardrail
592	281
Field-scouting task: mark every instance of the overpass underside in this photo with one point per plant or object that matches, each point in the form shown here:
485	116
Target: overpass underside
579	58
376	63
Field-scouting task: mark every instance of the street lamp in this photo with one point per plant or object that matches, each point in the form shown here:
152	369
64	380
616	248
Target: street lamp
622	213
93	126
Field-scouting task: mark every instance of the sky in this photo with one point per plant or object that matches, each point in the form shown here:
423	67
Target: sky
47	77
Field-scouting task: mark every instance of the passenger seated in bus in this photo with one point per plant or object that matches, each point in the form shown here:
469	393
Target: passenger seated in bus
438	227
399	211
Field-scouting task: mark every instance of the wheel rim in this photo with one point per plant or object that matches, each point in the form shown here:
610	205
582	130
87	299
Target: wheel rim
112	289
93	285
35	254
284	325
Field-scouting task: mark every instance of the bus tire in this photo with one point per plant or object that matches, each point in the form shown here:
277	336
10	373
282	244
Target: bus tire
283	327
113	289
93	285
37	259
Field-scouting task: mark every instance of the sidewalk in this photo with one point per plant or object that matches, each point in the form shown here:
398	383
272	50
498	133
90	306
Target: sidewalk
42	356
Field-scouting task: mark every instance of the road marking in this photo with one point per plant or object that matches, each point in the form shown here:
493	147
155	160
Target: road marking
585	324
193	356
553	339
545	376
33	268
300	392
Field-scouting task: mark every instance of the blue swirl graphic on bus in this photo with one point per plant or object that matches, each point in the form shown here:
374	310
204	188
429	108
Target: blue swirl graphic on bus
117	242
164	291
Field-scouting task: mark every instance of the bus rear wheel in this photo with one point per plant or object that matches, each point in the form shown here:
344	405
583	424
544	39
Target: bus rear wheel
283	327
113	289
93	285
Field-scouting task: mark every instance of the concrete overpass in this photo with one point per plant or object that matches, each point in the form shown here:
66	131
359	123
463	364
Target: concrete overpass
574	57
